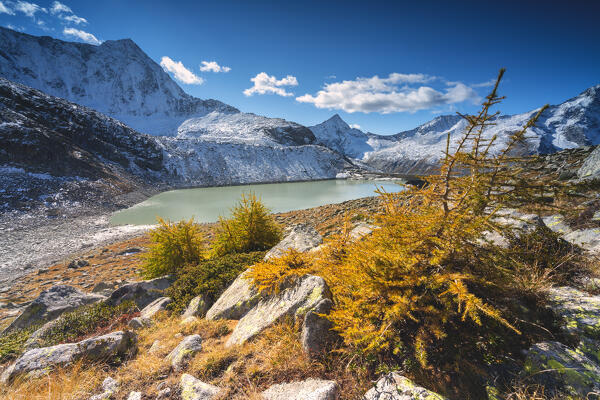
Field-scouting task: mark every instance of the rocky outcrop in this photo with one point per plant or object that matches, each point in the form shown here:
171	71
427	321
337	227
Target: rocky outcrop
361	230
301	237
141	293
197	307
518	223
109	387
310	389
185	350
562	370
146	315
116	345
394	386
316	329
194	389
50	304
590	169
298	299
236	300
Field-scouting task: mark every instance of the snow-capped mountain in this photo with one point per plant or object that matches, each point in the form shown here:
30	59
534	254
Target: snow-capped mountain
574	123
116	78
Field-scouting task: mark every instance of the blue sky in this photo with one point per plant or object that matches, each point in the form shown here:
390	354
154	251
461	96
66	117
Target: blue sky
384	66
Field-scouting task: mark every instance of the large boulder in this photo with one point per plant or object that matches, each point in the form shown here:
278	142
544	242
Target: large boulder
517	222
141	293
394	386
562	370
590	169
298	299
557	224
50	304
301	237
588	239
185	350
194	389
146	315
113	346
310	389
197	308
316	329
579	312
236	300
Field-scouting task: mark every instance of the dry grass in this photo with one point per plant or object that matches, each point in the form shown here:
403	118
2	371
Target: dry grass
242	371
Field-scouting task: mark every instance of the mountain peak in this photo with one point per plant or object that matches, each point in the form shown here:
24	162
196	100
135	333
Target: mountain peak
336	121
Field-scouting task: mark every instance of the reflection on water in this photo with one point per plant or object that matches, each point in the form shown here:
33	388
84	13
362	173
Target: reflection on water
207	204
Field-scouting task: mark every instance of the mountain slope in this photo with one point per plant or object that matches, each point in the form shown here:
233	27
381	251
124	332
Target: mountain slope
573	123
116	78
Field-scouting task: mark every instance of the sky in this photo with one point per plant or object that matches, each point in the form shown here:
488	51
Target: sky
383	66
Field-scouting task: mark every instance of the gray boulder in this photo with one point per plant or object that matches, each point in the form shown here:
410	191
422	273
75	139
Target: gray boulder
361	230
194	389
135	396
588	239
557	224
518	223
185	350
590	169
142	293
316	329
197	307
50	304
300	298
109	387
115	345
310	389
394	386
579	312
155	307
562	370
302	237
236	300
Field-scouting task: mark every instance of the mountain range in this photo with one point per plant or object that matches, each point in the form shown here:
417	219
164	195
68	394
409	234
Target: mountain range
86	111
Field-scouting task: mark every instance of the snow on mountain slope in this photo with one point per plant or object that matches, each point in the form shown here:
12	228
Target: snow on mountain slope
574	123
116	78
196	162
245	128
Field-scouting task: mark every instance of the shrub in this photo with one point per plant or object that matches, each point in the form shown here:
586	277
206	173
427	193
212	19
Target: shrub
11	344
209	277
250	228
425	288
174	244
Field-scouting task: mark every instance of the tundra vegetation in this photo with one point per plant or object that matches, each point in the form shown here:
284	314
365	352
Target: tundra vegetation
444	289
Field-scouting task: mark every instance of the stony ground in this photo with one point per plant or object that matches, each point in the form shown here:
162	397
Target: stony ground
110	255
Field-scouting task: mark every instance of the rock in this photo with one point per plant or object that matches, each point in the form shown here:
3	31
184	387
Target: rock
579	312
394	386
78	264
588	239
104	288
197	307
115	345
50	304
562	370
316	330
236	300
131	250
519	223
185	350
301	237
139	323
188	320
163	393
310	389
109	387
300	298
557	224
156	306
142	293
135	396
194	389
361	230
590	169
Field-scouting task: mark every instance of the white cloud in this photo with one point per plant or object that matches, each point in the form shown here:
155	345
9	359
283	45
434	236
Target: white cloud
29	9
5	10
181	73
355	126
58	7
85	36
388	95
15	28
264	84
213	67
74	19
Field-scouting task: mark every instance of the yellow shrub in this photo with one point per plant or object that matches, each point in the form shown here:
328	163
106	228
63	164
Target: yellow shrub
250	228
174	244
